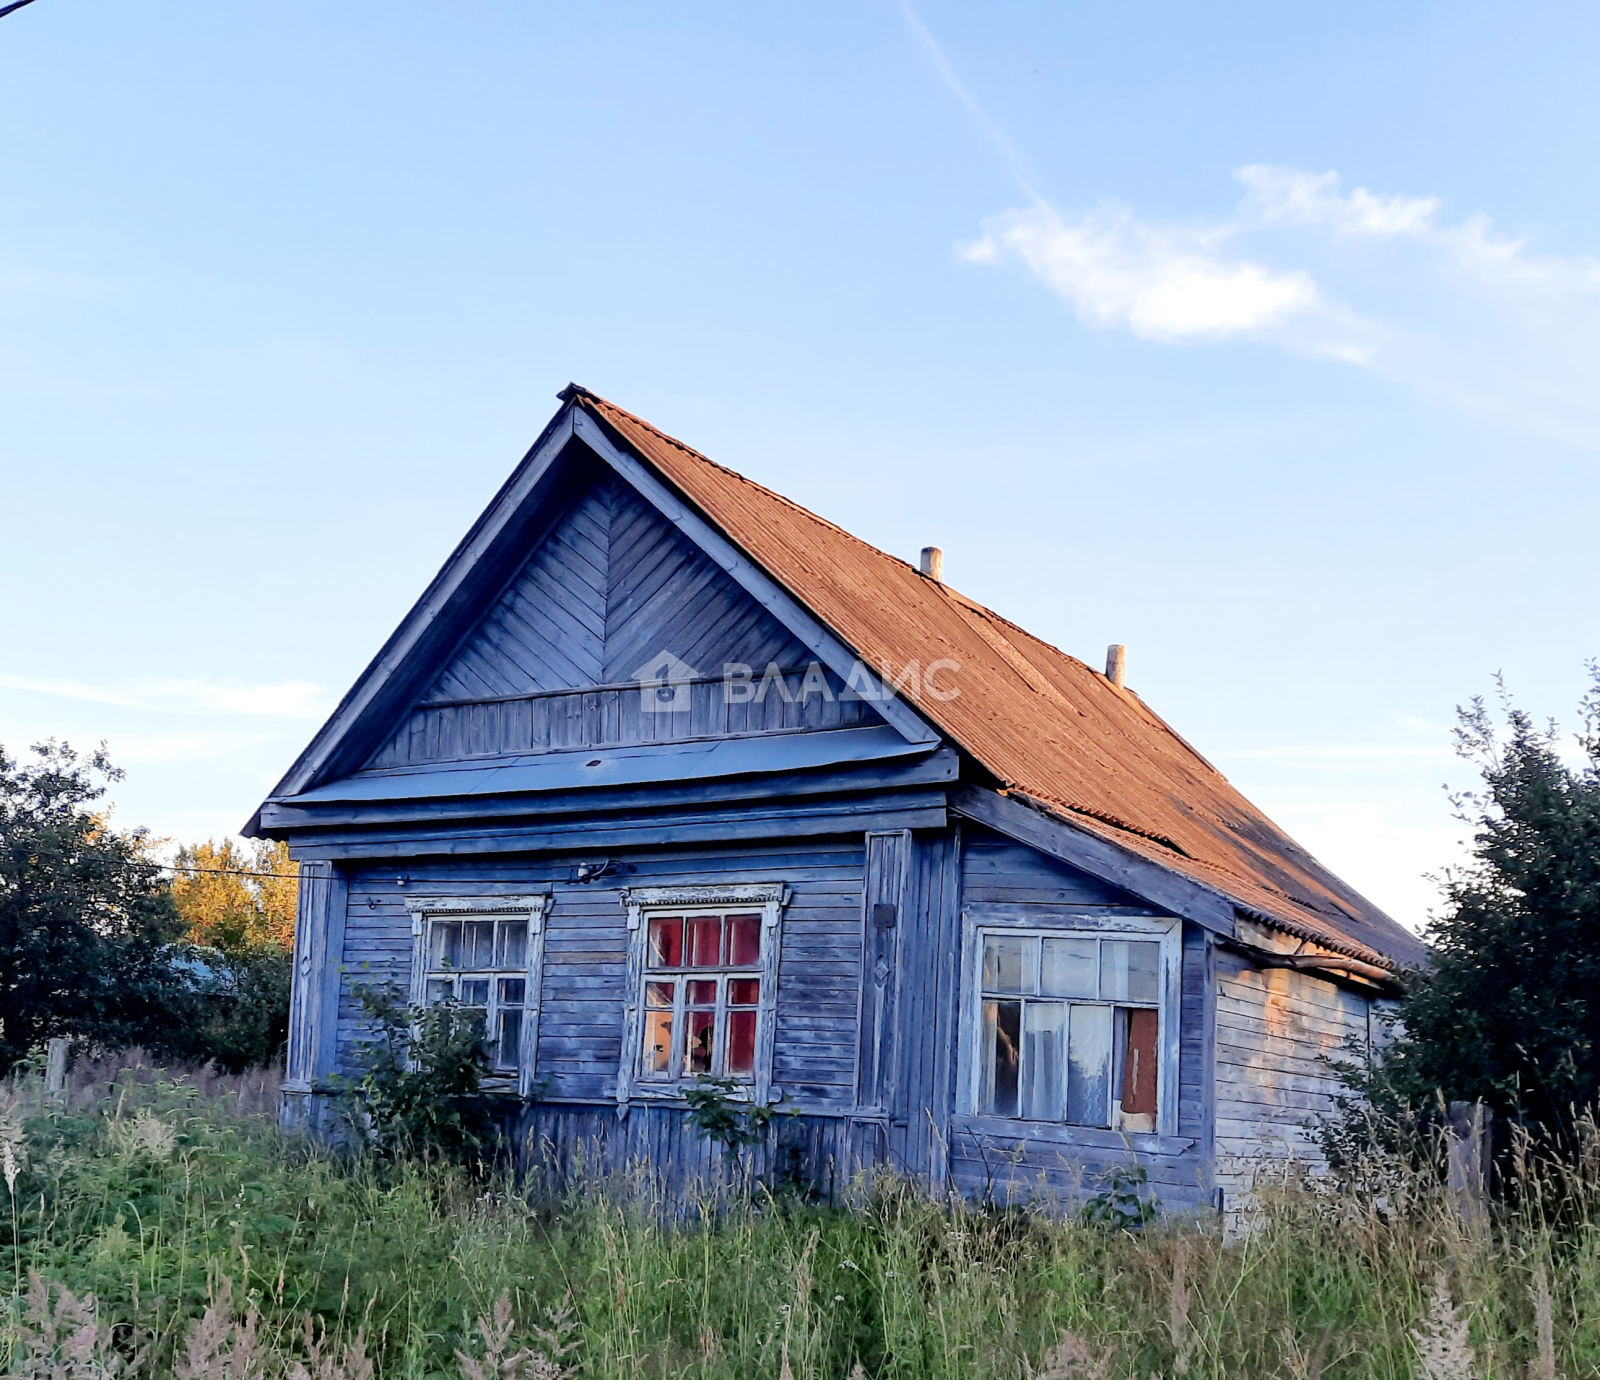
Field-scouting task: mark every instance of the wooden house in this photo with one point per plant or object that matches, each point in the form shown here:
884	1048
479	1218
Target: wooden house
669	779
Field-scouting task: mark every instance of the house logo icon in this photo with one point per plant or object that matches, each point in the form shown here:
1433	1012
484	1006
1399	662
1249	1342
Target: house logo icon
664	684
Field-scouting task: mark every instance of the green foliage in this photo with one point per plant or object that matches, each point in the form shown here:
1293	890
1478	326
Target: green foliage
1509	1010
243	1018
162	1201
420	1093
86	917
1124	1202
720	1110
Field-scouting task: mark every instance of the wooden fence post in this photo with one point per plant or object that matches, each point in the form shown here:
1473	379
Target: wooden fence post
55	1071
1468	1159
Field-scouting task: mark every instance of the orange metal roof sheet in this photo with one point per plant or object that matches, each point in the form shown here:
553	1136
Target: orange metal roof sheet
1054	731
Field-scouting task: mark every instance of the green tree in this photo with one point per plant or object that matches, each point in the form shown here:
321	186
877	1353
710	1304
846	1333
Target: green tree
237	903
1509	1009
86	916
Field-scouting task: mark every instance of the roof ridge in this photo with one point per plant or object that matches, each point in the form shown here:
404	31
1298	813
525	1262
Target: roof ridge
689	450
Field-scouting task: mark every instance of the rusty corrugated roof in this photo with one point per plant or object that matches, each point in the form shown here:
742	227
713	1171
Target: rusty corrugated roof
1055	732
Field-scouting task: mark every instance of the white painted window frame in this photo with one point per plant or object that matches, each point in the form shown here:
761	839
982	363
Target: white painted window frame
641	902
1168	932
535	909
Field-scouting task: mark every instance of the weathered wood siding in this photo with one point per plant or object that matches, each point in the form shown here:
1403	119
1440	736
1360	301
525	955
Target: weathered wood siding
1065	1163
586	955
1274	1028
655	1153
616	716
612	586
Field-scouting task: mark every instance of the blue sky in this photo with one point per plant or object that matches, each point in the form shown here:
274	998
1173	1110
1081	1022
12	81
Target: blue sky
1262	338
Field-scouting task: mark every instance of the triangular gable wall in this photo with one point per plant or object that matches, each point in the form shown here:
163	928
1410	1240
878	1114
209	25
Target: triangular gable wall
611	592
610	588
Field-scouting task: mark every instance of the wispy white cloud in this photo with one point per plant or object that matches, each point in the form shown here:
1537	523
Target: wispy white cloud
1289	196
1457	311
290	699
1169	283
1461	313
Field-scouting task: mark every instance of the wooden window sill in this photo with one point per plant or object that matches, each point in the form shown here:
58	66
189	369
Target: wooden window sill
1055	1133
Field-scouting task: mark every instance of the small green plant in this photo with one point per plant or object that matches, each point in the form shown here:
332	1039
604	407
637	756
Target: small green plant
720	1110
420	1094
1122	1204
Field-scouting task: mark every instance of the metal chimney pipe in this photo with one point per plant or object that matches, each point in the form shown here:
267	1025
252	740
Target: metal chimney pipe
1116	664
932	564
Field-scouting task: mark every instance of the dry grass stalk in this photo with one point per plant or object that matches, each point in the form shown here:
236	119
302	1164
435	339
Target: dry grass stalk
1072	1358
1300	1364
142	1134
63	1340
1443	1349
499	1362
1544	1325
220	1346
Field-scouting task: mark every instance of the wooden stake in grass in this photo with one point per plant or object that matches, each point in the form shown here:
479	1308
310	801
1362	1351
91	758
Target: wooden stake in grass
1544	1325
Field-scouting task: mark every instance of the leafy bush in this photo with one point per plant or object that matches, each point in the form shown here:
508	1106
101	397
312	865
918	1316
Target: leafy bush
420	1093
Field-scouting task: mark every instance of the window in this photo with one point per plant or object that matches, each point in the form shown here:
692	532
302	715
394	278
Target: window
702	996
485	955
1068	1028
705	976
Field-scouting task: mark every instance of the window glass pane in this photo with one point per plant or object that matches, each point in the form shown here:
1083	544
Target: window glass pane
658	1042
446	950
1010	963
1129	970
1002	1023
1139	1069
705	941
741	1043
703	993
513	991
1044	1061
476	1020
513	944
744	941
510	1039
1089	1066
744	991
474	991
1068	968
477	944
658	993
666	943
699	1027
438	990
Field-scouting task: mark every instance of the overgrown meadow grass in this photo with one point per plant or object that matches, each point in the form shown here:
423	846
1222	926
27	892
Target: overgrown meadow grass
162	1196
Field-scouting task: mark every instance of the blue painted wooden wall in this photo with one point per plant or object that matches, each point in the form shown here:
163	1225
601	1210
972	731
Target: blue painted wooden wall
545	669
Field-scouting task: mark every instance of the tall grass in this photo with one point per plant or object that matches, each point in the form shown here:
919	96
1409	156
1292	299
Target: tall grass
165	1197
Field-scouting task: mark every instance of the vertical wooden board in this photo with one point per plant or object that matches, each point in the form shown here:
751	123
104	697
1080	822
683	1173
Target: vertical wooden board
885	887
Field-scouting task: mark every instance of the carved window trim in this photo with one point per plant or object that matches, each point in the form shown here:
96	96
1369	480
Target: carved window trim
535	909
770	898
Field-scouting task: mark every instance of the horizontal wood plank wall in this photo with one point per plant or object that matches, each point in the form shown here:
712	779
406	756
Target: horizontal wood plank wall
1273	1027
586	955
998	871
616	716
